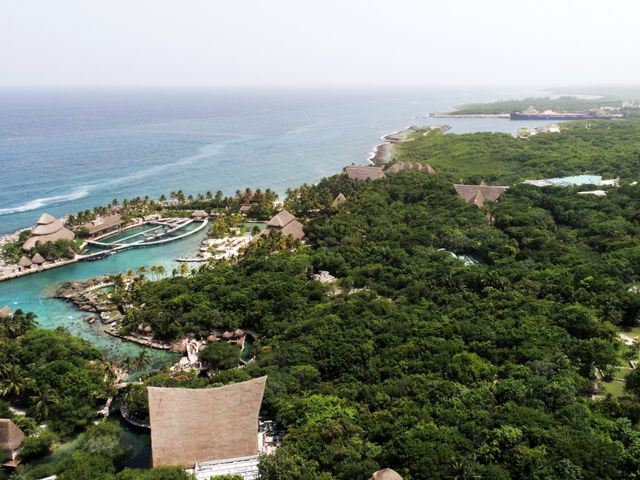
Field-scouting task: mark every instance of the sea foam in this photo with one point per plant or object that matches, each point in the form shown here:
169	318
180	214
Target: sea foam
75	194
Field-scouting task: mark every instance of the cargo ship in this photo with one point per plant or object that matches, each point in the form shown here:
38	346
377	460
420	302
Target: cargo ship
551	115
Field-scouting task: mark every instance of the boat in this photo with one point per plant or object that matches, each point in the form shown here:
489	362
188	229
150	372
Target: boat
99	256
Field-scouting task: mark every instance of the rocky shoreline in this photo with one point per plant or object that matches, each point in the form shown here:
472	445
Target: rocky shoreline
383	153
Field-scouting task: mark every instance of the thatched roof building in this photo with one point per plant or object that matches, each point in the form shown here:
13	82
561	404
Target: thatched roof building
287	224
37	259
24	262
48	229
479	194
400	166
190	426
386	474
357	172
199	214
11	438
104	224
281	219
339	200
6	312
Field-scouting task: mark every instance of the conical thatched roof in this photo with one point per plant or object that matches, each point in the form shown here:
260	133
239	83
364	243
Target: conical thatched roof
24	262
11	437
294	229
281	219
48	228
199	214
38	259
386	474
46	219
6	311
339	200
479	194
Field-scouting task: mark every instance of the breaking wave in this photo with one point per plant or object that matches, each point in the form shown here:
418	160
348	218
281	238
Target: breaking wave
75	194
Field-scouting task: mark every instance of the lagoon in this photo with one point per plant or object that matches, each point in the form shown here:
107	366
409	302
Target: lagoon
34	293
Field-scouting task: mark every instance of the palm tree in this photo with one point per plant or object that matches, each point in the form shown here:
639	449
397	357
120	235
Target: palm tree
142	360
208	195
13	382
183	269
43	400
128	363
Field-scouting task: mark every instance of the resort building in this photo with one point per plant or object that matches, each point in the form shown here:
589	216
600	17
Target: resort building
357	172
24	263
339	200
199	215
211	431
48	229
103	225
37	259
6	312
11	438
400	166
479	194
286	224
386	474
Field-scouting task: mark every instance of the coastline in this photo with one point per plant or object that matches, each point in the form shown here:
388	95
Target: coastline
382	153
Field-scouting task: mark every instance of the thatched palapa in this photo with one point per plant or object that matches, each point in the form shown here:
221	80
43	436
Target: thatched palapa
199	214
287	224
6	312
357	172
48	229
479	194
37	259
339	200
104	224
11	438
400	166
24	262
199	425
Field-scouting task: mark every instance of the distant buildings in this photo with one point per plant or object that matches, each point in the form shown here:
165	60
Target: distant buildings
478	195
11	438
212	431
48	229
357	172
286	224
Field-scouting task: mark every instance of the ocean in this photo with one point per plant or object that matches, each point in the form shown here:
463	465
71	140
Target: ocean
62	151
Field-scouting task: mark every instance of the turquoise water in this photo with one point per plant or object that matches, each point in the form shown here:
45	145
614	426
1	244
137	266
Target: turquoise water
33	292
576	180
83	148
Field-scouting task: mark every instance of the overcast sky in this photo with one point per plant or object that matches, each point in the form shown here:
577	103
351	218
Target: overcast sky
318	43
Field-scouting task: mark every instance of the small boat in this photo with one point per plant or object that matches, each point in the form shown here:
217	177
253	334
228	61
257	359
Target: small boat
99	256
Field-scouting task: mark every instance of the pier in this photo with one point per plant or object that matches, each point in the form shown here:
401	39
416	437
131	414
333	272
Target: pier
156	239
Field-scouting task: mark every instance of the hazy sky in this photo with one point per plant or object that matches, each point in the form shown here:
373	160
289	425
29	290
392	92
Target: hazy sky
321	42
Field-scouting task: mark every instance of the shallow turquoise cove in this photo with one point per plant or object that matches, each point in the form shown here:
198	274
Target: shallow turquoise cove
34	292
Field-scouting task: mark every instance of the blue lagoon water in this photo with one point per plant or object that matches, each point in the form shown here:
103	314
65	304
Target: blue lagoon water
62	151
